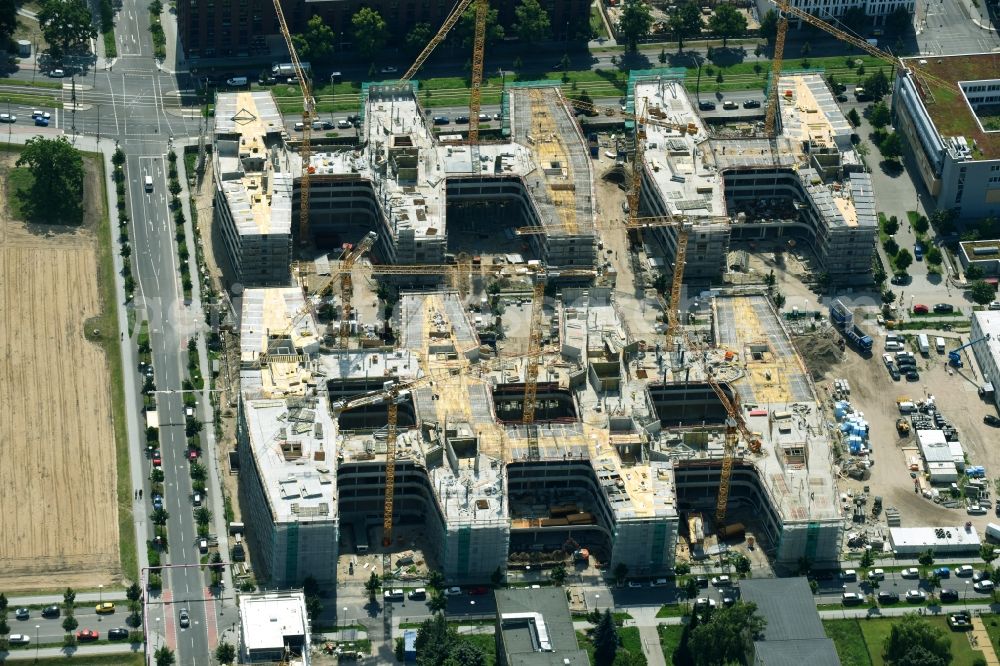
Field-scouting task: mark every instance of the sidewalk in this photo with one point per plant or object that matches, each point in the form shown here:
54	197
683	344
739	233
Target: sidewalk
84	651
81	598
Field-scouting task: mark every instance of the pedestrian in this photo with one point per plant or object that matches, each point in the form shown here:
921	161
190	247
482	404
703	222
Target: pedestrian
140	493
135	494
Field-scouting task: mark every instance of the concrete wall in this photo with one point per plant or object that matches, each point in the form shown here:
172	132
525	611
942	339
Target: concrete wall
988	364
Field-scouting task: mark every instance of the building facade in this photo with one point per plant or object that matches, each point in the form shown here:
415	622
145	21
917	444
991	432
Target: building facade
876	10
987	352
240	28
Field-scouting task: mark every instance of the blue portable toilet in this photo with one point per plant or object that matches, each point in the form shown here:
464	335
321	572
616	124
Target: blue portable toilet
409	646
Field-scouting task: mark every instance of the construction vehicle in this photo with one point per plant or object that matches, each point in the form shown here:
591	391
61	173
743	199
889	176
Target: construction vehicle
308	114
955	355
902	427
843	319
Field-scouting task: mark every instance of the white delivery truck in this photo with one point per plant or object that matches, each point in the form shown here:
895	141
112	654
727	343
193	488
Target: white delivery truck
924	344
939	344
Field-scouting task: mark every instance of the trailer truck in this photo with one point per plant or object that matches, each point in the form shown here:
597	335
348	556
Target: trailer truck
843	319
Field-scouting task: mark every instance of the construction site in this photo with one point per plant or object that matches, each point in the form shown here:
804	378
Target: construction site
460	364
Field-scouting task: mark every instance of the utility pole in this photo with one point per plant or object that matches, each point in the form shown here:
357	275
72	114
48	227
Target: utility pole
98	124
73	100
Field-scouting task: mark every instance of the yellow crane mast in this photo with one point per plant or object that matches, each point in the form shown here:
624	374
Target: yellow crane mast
308	113
771	115
347	283
531	371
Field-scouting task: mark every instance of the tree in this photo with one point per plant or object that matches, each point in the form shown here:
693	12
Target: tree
741	562
986	553
682	654
133	592
370	33
973	272
418	36
621	571
779	300
891	147
880	115
466	27
921	224
464	653
891	246
691	588
605	638
8	18
912	631
66	24
558	574
806	49
56	192
867	558
3	602
69	623
635	22
903	261
316	43
435	580
891	225
982	292
888	296
225	653
373	585
926	558
203	516
314	608
164	656
769	27
728	22
531	22
682	568
722	636
934	256
438	603
685	22
159	516
877	85
434	640
853	116
69	597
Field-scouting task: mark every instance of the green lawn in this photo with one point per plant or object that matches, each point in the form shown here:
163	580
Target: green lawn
670	638
629	637
19	179
52	85
671	610
992	623
875	632
597	23
850	642
487	643
122	659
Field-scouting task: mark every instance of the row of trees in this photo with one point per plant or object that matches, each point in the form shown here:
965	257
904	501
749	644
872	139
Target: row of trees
684	23
370	35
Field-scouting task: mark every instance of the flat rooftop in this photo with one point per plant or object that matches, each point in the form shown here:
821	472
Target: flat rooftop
780	404
410	164
949	109
294	445
989	322
277	311
981	250
255	172
266	619
536	628
810	114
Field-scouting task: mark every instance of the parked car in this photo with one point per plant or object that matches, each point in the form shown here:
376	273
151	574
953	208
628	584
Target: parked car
50	611
912	572
105	608
702	581
462	120
980	575
453	592
942	572
853	598
8	118
913	376
876	574
41	114
322	125
706	106
87	635
157	457
944	308
991	420
886	597
975	509
704	602
22	614
659	582
900	278
441	120
729	105
184	618
344	124
57	73
918	251
483	590
965	570
983	586
484	117
849	574
841	98
300	127
948	594
916	596
117	634
18	639
41	122
388	69
719	581
751	104
920	308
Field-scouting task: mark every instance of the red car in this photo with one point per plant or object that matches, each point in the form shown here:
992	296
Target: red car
157	460
920	309
87	635
478	590
193	454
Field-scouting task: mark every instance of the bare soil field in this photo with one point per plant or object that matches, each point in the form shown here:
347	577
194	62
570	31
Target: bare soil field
60	518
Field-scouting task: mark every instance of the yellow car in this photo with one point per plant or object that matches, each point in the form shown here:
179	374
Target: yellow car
104	608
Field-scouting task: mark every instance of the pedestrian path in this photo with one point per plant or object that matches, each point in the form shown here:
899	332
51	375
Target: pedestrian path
980	640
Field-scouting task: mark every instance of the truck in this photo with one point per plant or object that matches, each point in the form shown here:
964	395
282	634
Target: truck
593	144
843	319
286	69
939	344
924	344
993	531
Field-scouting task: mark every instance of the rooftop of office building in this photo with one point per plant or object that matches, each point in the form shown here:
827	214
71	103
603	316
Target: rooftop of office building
536	628
268	620
294	445
253	169
953	113
409	163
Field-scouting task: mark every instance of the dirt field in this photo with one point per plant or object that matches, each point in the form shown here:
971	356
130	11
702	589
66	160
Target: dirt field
59	523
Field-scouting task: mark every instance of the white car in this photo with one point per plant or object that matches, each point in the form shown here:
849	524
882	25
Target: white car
720	581
849	574
983	586
704	602
8	118
912	572
300	126
388	70
876	574
915	596
41	114
344	124
57	74
659	582
852	598
965	570
453	592
19	639
973	509
634	584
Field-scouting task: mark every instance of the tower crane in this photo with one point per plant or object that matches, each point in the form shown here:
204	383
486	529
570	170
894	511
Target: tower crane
308	113
735	425
478	52
771	114
532	360
347	283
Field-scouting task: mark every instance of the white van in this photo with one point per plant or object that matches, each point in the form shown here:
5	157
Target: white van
148	181
394	595
939	345
237	81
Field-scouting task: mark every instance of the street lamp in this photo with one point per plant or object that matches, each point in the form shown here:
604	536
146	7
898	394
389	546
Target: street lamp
346	622
967	591
100	593
37	627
